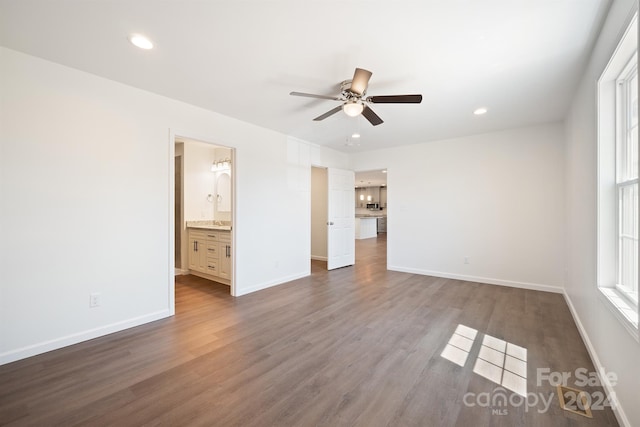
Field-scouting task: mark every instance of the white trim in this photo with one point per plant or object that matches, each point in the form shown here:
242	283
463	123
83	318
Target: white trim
180	272
54	344
318	258
486	280
171	286
632	298
628	325
604	380
280	281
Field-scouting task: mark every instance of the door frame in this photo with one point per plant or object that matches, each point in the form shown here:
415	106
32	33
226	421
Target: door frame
178	133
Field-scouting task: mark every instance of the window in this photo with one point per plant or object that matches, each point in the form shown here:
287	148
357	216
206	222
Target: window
618	199
627	179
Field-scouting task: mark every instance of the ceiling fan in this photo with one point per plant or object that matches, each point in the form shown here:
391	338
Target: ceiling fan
354	100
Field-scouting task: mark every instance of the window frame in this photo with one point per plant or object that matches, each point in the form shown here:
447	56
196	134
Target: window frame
623	160
613	176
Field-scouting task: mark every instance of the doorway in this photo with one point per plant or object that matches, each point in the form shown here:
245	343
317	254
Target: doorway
332	217
319	220
371	195
178	213
204	202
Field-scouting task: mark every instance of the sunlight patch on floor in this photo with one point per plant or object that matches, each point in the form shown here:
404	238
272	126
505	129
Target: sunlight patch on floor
499	361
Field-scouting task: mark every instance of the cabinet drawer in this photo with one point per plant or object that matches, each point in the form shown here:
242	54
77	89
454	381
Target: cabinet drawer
212	235
198	235
212	250
224	236
212	266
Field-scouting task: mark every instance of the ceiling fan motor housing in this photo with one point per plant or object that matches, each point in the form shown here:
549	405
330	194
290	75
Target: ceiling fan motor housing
345	90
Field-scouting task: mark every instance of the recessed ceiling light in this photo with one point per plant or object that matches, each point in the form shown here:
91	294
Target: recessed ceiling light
355	135
140	41
384	171
480	111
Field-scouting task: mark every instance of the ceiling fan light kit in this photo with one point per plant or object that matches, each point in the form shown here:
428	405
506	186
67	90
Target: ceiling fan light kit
352	108
354	100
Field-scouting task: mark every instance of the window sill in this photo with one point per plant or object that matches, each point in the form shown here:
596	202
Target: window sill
630	298
626	313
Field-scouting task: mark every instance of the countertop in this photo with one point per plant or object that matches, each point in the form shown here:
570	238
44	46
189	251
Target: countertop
210	225
370	216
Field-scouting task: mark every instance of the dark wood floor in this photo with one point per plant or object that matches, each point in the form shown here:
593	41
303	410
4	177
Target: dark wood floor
359	346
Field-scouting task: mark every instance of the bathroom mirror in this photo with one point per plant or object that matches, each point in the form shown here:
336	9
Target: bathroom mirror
223	190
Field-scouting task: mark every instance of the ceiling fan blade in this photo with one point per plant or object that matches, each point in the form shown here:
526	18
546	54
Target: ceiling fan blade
373	118
395	99
360	81
328	113
311	95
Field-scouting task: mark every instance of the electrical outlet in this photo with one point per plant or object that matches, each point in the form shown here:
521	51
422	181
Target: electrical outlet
94	300
466	260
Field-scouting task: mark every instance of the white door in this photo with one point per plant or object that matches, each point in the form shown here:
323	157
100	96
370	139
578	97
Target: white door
341	243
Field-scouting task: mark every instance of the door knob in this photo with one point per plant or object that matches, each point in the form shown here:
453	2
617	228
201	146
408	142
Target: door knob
330	223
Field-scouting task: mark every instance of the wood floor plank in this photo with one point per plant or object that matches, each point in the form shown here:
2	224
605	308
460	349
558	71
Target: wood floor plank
357	346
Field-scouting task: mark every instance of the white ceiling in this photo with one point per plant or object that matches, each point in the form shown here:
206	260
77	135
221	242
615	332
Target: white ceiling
521	59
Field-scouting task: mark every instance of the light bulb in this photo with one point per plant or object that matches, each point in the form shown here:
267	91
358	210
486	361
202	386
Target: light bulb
140	41
352	108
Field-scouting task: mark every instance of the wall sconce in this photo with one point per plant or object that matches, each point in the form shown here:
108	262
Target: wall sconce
368	198
362	197
220	165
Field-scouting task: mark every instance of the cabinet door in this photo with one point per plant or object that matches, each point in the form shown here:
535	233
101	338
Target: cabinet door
375	194
224	265
361	198
193	255
197	255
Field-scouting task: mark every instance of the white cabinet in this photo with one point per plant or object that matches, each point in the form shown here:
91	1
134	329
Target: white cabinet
225	256
210	254
383	197
361	197
197	251
366	228
366	195
373	193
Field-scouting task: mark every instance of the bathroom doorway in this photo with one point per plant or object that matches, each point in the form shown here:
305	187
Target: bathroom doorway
204	211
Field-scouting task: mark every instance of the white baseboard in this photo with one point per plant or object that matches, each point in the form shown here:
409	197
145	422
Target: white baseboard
54	344
604	380
487	280
181	272
271	283
319	258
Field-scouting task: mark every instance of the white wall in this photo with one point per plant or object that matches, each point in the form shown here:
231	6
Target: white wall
86	203
495	198
611	346
319	206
